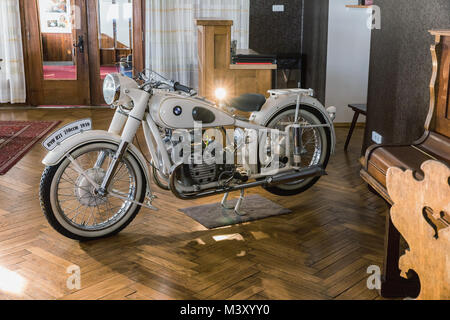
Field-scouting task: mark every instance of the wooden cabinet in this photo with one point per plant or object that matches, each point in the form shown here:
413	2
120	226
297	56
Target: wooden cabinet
215	68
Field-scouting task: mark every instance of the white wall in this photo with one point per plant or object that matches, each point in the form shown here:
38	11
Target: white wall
348	58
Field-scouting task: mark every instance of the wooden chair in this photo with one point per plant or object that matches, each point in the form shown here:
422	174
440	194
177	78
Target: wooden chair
433	145
358	109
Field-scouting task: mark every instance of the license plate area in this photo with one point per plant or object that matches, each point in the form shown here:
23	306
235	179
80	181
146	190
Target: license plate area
74	128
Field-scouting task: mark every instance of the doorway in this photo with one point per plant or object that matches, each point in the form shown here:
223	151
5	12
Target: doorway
71	45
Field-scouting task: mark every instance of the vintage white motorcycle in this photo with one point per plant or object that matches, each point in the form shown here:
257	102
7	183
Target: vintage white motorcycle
95	182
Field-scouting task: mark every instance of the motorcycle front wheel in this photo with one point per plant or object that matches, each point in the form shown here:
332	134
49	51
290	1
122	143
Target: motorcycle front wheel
74	208
316	141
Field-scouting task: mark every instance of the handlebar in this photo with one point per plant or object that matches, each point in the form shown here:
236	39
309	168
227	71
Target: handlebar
155	78
179	87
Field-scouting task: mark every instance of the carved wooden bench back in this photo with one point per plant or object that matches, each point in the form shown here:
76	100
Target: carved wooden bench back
421	214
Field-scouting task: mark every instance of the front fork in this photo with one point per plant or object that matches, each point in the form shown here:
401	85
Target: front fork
131	126
113	167
117	123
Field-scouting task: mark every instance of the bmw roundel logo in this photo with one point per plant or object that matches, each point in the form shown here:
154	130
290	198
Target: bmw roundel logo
177	111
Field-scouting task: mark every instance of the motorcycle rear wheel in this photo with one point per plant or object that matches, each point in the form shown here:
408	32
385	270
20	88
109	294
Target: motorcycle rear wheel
75	210
319	154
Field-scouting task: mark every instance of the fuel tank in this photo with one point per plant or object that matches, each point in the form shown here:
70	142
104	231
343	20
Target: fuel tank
177	111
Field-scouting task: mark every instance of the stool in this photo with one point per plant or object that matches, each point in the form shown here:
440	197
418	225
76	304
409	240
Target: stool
358	109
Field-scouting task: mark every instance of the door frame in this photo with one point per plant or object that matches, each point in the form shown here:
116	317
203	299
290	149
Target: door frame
96	91
53	92
91	92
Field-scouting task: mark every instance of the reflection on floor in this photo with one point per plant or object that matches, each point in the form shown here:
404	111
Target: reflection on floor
320	251
62	72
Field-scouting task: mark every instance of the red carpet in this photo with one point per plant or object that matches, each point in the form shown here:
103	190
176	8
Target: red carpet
69	72
18	137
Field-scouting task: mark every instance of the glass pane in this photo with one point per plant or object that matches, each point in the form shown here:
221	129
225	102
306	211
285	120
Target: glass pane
115	36
59	60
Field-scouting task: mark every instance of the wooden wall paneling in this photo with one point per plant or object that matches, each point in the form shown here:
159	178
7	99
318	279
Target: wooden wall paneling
111	50
107	57
107	50
57	46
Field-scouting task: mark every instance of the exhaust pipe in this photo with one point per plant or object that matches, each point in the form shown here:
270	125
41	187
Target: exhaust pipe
315	171
310	172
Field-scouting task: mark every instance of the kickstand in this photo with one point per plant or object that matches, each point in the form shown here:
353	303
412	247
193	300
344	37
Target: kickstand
224	202
237	207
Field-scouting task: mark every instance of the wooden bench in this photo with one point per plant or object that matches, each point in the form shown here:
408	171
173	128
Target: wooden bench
433	145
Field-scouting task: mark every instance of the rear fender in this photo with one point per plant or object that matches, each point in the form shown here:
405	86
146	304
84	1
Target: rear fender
275	104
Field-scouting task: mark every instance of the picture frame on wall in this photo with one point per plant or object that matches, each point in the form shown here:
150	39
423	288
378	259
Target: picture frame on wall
55	16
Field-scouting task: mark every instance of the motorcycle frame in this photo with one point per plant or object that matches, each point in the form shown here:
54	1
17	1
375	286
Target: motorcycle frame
129	122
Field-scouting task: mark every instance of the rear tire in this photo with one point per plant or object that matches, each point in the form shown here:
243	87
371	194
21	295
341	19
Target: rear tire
313	116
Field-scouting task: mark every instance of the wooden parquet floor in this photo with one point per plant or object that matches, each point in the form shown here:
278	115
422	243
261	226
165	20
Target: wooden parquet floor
320	251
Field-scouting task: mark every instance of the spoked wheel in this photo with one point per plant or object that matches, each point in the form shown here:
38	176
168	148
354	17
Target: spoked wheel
72	205
316	141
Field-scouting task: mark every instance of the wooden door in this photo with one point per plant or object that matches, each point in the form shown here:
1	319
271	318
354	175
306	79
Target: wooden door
56	52
67	54
115	30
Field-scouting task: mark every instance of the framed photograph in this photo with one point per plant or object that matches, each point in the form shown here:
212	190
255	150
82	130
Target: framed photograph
55	16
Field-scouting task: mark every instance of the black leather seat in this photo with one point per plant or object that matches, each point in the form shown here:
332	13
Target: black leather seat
249	102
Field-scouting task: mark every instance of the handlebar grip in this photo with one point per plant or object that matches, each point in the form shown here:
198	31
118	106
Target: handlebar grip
180	87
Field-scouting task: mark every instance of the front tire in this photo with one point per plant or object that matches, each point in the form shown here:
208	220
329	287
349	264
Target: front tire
320	155
63	191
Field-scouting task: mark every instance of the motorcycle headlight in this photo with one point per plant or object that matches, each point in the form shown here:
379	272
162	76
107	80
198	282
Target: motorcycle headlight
111	88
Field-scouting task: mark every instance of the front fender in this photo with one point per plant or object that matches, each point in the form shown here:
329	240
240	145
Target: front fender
55	156
275	104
